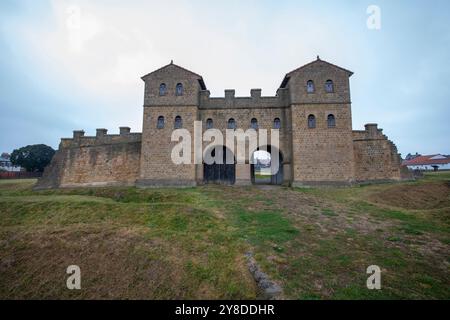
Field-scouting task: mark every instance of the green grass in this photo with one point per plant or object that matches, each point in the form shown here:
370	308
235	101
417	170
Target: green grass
263	227
328	212
191	243
437	176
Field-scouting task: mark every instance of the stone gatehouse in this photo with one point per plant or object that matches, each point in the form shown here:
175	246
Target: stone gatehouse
311	109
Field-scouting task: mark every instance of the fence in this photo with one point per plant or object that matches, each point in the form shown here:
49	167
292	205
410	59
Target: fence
20	175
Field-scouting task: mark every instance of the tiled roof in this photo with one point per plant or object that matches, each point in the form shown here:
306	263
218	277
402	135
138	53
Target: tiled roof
425	160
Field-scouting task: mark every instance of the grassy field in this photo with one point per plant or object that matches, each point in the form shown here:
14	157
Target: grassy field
191	243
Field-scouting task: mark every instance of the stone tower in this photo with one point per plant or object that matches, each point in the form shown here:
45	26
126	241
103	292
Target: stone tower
171	93
322	142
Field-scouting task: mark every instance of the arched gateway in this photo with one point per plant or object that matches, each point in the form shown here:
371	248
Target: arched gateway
219	172
266	168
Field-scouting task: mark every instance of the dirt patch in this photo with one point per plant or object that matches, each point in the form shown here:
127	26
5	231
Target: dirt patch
415	197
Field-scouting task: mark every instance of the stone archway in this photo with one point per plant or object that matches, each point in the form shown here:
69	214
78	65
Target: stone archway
261	173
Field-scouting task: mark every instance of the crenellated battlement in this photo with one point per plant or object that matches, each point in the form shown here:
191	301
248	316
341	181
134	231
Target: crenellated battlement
102	137
255	100
371	132
376	157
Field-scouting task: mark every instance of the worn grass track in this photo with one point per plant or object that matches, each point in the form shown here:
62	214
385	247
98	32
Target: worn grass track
190	243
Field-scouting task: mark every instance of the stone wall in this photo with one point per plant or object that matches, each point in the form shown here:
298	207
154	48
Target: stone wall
94	161
156	166
322	155
376	158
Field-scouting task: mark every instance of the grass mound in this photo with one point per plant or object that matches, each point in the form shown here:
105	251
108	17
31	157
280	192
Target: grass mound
416	196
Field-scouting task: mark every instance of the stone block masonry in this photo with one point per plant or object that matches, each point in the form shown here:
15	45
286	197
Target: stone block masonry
103	160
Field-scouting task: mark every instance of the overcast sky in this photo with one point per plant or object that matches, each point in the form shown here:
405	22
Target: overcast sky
68	65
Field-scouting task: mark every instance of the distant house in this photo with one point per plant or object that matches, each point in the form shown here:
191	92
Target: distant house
410	156
431	162
6	165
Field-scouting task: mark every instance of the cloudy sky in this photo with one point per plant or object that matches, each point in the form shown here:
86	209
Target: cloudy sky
77	64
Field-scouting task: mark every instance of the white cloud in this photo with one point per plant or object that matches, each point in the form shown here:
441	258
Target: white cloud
105	47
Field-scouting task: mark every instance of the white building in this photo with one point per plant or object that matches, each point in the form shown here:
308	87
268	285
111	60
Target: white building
431	162
6	165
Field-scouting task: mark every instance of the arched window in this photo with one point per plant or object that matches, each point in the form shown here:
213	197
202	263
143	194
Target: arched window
329	87
209	123
179	89
254	123
178	122
162	89
160	123
231	124
311	121
277	123
331	121
310	86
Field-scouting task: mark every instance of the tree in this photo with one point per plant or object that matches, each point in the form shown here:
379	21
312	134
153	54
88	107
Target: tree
33	158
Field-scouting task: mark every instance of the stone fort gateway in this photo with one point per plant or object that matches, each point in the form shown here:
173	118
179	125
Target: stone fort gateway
311	109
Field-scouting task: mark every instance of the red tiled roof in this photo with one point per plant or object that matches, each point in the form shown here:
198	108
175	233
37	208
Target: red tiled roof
425	160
